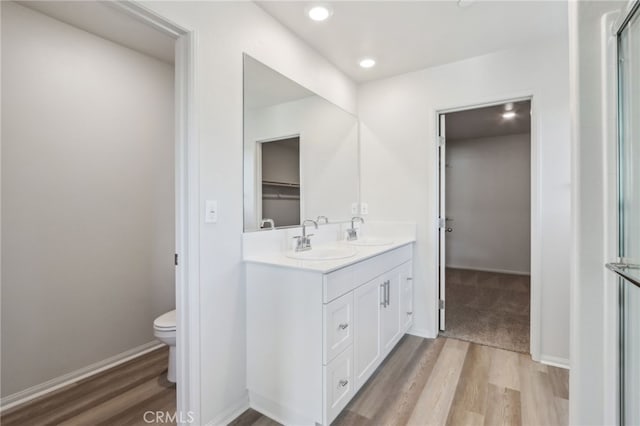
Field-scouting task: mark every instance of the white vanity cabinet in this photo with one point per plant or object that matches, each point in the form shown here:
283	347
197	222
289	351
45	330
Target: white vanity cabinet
315	337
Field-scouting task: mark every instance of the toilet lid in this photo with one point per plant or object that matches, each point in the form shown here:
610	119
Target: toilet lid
167	320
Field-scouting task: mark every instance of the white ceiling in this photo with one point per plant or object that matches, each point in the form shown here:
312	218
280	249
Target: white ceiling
488	122
264	86
105	21
406	36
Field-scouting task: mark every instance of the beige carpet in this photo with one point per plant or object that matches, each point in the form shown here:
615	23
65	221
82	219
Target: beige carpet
488	308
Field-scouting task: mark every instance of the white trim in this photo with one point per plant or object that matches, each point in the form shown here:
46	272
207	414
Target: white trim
56	383
536	228
499	271
188	271
555	361
187	208
574	252
232	412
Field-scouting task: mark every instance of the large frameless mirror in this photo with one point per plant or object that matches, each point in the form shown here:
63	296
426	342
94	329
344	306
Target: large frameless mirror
300	153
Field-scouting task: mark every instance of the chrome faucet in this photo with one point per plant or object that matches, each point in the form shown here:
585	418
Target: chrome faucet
303	242
321	218
263	222
352	233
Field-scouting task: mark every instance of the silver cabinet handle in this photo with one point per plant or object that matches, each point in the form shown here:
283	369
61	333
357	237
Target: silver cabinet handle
388	296
410	313
409	279
343	326
383	286
343	383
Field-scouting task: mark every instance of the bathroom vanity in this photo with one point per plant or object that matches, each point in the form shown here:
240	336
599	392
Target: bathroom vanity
317	330
322	313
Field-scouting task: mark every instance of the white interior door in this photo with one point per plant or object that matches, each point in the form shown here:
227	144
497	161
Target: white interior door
442	221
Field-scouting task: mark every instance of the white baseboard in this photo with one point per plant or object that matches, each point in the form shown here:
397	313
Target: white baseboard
231	412
36	391
555	361
420	332
499	271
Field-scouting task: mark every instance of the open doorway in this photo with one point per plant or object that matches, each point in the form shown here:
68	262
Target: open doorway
485	229
108	135
280	182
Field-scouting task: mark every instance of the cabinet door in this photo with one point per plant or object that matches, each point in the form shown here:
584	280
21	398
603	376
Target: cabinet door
367	299
406	296
390	319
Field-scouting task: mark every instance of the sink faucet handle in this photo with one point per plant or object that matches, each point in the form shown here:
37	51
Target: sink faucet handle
322	218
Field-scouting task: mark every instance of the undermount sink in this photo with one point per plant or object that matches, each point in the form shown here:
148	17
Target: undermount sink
369	242
323	253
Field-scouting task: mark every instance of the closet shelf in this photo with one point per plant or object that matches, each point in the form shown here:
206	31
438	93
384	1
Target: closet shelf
283	184
280	197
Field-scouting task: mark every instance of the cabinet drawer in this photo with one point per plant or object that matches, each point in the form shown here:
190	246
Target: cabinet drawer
346	279
378	265
338	384
338	283
338	326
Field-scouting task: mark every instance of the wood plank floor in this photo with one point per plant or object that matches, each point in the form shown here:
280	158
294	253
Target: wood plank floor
119	396
452	382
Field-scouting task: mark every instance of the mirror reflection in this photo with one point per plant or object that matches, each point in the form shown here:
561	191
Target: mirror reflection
300	153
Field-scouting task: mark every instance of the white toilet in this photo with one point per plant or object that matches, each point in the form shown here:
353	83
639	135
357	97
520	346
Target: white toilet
164	328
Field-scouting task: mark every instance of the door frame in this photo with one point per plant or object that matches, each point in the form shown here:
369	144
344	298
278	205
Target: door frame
187	223
535	225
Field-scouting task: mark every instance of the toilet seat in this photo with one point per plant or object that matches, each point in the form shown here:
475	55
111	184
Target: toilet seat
166	322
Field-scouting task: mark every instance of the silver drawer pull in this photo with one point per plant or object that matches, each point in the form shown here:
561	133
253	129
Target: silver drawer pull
343	383
410	313
343	326
409	279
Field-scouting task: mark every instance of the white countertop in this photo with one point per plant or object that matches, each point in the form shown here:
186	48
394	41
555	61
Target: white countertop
325	266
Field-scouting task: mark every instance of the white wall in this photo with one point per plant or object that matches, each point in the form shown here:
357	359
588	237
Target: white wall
224	30
594	338
489	201
398	138
328	155
87	198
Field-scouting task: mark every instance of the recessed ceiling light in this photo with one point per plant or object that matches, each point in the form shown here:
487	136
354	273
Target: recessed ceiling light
367	62
508	115
508	106
319	13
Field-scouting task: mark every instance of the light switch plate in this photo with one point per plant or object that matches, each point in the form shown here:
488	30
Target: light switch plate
354	208
211	211
364	208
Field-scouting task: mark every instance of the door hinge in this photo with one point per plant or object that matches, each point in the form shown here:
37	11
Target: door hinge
175	259
441	140
441	304
441	222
